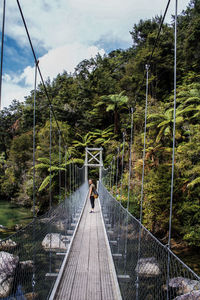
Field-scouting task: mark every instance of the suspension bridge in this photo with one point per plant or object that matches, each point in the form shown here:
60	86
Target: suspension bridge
69	253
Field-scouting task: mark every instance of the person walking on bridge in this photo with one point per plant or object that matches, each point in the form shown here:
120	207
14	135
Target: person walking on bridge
91	194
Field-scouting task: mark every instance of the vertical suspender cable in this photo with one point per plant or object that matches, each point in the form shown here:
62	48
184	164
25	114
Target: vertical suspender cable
113	175
59	177
70	187
129	183
173	154
65	198
120	197
65	172
34	214
2	45
72	176
174	128
117	171
130	160
50	182
75	177
75	185
142	186
122	167
34	107
144	149
70	180
59	167
50	149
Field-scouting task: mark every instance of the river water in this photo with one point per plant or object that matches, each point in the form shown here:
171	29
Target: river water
10	215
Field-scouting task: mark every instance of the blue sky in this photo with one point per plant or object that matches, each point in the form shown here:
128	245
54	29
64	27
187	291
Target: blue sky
64	32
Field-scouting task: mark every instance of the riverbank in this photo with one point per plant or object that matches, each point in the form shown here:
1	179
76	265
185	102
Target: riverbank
12	217
190	256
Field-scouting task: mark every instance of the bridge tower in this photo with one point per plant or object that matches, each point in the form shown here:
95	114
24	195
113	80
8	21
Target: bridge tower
93	158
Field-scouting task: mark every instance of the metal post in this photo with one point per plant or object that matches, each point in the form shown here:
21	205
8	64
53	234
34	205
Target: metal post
59	167
86	165
173	154
122	167
34	186
117	170
130	160
142	186
65	172
101	165
111	175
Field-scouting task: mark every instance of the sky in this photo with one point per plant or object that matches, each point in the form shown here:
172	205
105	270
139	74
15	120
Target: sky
64	32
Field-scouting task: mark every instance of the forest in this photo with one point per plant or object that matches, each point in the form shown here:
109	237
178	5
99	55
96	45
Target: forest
93	107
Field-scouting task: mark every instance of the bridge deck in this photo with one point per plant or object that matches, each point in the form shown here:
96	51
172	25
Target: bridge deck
88	272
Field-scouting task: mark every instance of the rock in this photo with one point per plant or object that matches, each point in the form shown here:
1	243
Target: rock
184	285
8	264
195	295
59	225
54	242
148	267
45	220
31	296
18	227
3	227
7	244
26	265
5	285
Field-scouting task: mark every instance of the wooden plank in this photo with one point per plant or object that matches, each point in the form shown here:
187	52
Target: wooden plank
124	278
51	274
87	274
114	243
117	255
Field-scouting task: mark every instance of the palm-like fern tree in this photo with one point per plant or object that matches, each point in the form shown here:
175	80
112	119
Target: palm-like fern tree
114	103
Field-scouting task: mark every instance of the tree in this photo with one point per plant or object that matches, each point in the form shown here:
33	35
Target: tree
114	103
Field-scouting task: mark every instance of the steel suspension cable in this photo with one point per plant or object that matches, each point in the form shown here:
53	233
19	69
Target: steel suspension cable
70	181
128	201
50	182
50	158
34	187
154	47
117	170
122	171
59	167
144	149
174	145
113	175
142	185
130	160
39	71
174	125
65	172
2	46
120	199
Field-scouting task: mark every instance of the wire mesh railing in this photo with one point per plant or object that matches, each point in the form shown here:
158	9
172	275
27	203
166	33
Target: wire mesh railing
30	259
142	267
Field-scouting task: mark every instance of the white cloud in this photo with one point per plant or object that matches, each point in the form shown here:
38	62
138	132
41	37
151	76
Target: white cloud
11	91
66	29
58	22
54	62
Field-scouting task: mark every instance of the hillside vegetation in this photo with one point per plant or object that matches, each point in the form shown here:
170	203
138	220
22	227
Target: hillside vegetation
93	109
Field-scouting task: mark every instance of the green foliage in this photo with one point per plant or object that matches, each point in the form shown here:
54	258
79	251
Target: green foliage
92	107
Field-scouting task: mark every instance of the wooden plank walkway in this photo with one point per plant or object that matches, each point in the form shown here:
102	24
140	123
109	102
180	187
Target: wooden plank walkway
88	274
